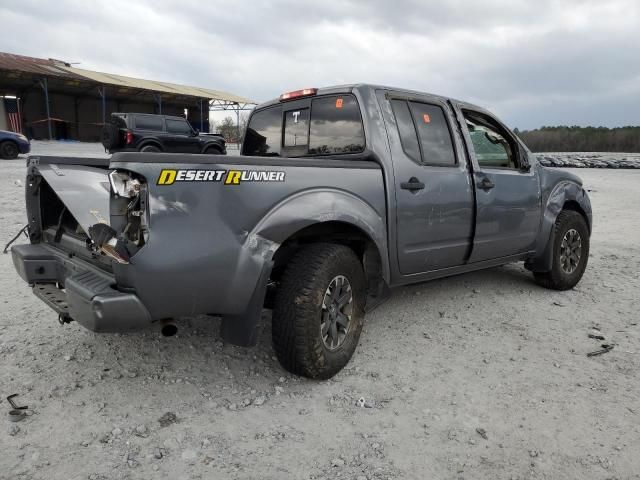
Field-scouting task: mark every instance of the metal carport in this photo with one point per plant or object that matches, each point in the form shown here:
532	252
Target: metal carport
58	100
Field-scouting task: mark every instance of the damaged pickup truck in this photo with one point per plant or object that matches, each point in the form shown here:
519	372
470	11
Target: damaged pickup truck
339	194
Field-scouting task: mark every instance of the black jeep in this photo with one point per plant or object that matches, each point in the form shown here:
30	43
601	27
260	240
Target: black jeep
143	132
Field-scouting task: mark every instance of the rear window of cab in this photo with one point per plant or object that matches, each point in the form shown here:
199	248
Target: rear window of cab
326	125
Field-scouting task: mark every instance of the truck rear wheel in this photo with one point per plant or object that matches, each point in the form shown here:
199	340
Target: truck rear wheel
150	149
570	252
319	310
212	151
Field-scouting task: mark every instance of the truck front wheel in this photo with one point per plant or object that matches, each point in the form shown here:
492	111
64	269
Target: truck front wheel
319	310
570	252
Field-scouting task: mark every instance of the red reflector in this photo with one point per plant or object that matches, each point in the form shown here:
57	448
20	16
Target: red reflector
129	137
305	92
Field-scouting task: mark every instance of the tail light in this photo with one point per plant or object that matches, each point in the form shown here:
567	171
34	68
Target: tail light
305	92
128	137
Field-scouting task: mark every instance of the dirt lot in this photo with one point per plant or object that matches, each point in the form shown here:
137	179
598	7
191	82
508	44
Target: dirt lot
481	376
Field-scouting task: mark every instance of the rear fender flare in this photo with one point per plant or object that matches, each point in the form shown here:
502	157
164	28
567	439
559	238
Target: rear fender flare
323	205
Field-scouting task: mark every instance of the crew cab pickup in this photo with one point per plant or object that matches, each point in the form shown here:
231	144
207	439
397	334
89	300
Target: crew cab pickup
339	194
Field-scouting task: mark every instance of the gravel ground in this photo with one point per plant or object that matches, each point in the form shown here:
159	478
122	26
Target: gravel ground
480	376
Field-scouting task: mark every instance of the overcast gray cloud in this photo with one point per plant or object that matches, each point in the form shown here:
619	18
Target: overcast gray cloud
533	62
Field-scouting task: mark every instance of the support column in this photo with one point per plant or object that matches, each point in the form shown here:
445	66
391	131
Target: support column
76	117
238	125
103	95
158	99
45	86
201	124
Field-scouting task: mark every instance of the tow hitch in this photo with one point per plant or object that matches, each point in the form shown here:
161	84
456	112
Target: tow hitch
56	298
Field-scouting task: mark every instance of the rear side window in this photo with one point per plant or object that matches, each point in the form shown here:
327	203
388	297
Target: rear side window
264	133
406	129
336	126
424	132
433	133
178	127
148	122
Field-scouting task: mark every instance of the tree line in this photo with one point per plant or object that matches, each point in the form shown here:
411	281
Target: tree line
581	139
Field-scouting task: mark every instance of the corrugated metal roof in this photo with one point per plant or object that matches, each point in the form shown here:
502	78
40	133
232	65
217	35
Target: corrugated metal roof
40	66
58	68
156	86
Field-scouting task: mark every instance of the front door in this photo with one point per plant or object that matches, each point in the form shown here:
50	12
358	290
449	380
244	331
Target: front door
434	197
507	190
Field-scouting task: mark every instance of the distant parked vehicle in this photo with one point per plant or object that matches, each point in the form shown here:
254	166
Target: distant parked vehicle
11	144
142	132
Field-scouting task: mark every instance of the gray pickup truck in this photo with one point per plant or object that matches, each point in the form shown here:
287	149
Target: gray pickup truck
339	194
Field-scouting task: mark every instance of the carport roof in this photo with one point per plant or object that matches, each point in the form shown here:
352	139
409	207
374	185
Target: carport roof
58	68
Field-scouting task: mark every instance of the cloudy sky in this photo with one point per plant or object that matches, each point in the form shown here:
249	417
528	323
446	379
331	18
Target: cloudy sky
534	62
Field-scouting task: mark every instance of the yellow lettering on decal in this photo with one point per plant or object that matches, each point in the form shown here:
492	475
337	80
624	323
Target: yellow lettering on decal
233	177
167	177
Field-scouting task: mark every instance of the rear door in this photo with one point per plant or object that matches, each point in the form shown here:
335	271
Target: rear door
507	191
434	196
180	137
146	126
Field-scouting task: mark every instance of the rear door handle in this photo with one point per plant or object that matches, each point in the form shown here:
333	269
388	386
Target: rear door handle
413	185
486	184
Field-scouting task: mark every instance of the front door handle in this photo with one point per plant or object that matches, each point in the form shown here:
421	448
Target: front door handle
486	184
413	185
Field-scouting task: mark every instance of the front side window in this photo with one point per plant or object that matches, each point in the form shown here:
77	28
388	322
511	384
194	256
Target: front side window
491	146
264	133
148	122
178	127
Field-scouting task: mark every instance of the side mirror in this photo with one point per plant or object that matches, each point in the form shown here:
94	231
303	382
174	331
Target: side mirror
196	132
525	165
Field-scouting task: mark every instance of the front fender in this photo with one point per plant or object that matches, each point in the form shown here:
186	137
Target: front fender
324	205
564	192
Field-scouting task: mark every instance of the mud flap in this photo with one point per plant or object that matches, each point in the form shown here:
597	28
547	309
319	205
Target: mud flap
243	329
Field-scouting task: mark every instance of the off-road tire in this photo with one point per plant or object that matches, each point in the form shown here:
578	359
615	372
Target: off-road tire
150	149
557	278
8	150
296	334
110	136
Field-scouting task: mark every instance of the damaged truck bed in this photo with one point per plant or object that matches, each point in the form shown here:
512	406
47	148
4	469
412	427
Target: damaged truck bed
339	194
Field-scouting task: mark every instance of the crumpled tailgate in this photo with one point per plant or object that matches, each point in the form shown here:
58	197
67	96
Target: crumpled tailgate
84	190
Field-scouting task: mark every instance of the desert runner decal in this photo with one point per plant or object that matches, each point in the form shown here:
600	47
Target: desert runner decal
227	177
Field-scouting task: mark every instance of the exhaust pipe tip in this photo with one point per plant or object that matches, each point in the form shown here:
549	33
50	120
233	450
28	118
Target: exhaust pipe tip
168	329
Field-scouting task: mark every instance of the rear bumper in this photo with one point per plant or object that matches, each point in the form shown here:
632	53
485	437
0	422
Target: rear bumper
89	295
